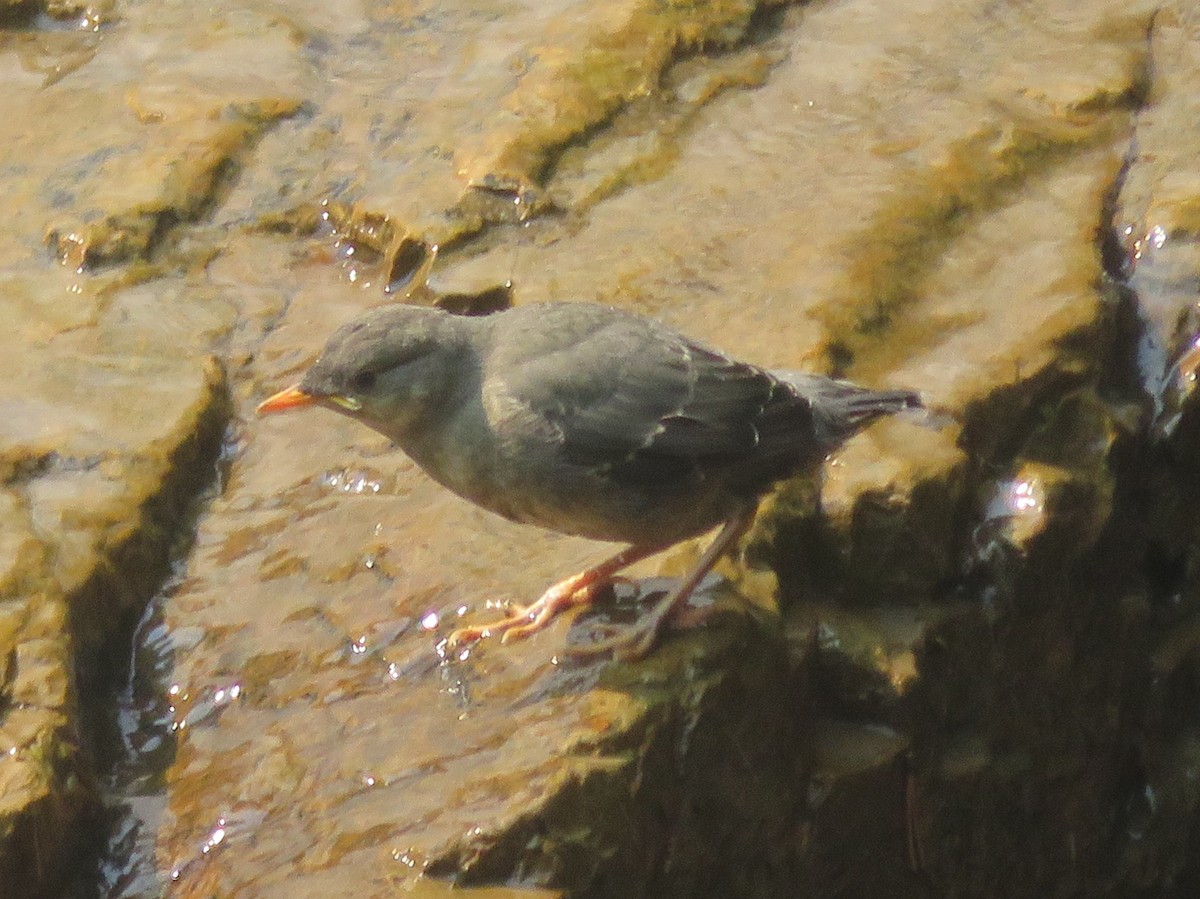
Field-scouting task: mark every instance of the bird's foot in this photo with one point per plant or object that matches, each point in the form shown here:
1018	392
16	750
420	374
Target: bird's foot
629	643
526	620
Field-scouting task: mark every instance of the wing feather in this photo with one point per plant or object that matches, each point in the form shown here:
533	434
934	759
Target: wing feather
642	404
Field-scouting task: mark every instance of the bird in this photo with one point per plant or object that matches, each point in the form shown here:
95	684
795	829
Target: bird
589	420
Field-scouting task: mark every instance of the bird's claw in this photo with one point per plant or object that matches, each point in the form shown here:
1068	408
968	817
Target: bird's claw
531	618
520	631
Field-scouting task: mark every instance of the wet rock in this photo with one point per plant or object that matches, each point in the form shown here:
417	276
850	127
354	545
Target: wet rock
581	77
1156	229
176	188
855	839
991	609
114	410
87	531
43	794
85	15
979	285
72	13
674	769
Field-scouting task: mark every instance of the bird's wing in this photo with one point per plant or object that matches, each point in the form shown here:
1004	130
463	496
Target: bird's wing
644	404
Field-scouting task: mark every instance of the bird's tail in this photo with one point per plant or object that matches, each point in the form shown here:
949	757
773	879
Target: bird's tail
843	409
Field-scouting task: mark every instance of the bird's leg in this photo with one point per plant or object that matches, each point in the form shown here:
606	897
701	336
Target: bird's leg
640	638
576	590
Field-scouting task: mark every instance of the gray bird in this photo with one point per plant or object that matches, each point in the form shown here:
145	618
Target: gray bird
588	420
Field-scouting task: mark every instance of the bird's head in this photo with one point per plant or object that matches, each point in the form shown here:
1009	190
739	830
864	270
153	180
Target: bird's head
385	368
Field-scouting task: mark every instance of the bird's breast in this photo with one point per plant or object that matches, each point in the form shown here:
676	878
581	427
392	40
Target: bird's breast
514	466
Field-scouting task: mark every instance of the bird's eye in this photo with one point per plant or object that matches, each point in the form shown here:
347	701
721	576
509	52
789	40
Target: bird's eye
363	381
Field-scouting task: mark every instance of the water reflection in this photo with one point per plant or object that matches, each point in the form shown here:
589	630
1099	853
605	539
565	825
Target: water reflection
228	828
1016	498
358	481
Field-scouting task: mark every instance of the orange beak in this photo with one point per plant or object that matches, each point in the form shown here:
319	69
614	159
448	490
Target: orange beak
292	398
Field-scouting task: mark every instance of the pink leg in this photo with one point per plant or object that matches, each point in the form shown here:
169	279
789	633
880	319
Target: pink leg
576	590
641	637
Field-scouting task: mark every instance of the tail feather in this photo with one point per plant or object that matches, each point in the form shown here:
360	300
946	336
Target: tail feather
842	409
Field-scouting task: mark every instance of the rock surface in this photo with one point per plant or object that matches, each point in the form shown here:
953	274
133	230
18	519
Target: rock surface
970	658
